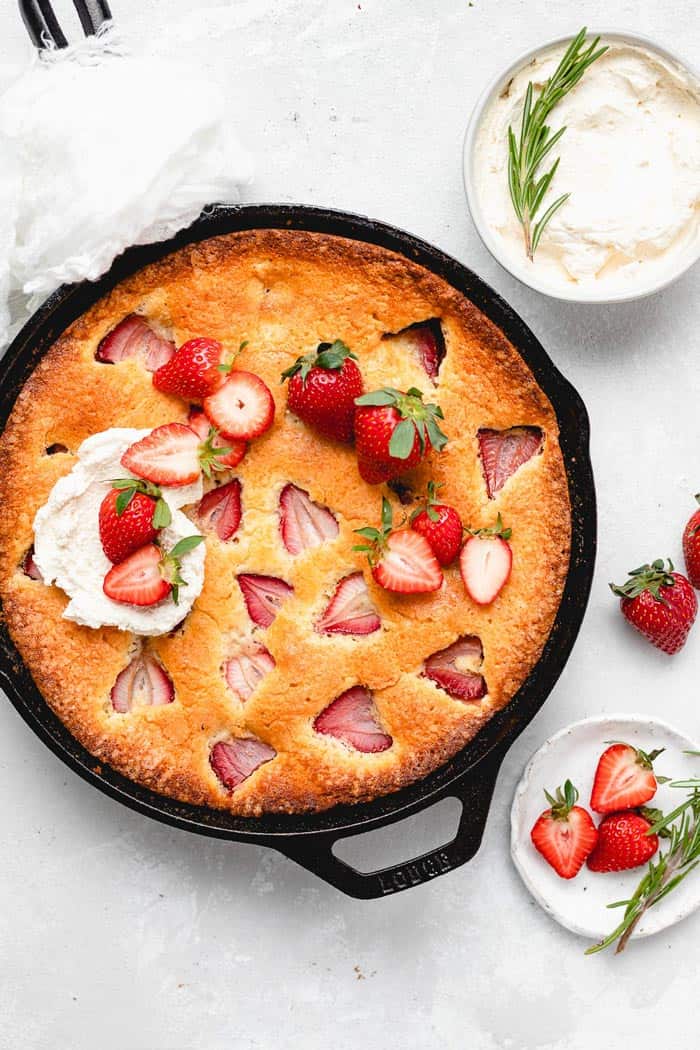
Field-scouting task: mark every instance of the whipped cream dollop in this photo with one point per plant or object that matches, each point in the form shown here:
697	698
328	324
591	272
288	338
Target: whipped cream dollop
630	158
68	550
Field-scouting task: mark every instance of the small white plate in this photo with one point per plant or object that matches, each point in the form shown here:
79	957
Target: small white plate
573	753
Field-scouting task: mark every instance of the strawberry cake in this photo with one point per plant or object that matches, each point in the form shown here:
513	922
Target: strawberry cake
285	522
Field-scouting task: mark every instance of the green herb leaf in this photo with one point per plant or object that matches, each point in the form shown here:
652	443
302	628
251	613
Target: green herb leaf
185	546
527	151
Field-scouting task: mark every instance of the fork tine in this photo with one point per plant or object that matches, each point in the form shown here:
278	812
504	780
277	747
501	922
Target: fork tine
41	24
92	14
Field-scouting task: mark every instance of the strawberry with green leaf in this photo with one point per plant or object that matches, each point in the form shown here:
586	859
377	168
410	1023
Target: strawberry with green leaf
130	516
394	431
440	524
401	560
659	603
323	386
150	574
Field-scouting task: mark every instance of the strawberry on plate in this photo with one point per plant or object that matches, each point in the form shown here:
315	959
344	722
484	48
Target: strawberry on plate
304	523
149	574
172	455
394	431
323	386
229	453
130	516
624	778
134	337
660	604
565	833
219	510
623	842
486	562
691	547
193	371
401	560
243	408
440	524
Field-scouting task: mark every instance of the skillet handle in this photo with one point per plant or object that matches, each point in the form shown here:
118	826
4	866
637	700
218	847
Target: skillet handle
474	791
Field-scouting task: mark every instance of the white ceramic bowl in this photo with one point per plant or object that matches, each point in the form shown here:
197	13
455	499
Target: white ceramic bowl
523	271
580	904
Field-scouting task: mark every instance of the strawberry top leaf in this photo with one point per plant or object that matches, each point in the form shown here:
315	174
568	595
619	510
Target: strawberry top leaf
128	487
649	578
330	356
563	801
377	537
494	530
421	419
430	502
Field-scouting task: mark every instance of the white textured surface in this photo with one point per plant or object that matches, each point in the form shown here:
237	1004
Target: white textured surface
118	932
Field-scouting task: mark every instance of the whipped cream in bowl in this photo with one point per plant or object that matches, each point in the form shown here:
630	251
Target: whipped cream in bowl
68	550
629	160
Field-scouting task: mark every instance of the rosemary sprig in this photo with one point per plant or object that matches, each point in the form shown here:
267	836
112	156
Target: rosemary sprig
682	826
527	188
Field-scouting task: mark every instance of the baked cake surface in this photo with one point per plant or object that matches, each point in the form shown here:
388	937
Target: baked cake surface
281	293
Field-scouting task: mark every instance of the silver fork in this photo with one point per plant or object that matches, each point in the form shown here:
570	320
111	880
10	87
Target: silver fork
44	29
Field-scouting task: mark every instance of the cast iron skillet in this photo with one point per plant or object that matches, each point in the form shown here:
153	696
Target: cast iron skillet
308	839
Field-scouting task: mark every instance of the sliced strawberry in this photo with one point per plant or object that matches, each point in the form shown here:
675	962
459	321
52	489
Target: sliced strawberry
401	561
133	337
243	408
245	671
564	834
624	779
407	564
149	574
455	669
193	370
504	451
485	564
169	455
263	596
143	682
30	567
203	428
219	510
426	341
233	761
350	610
304	523
137	580
352	719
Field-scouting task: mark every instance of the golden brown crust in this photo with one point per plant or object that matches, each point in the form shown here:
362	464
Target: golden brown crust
284	292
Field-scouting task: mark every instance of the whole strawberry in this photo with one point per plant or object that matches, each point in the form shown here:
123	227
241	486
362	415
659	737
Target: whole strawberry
130	516
440	524
323	386
394	431
623	842
691	547
660	604
193	371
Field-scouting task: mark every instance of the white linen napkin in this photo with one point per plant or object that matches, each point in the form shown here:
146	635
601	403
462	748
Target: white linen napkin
102	149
